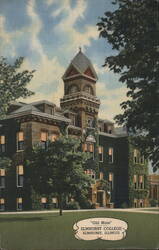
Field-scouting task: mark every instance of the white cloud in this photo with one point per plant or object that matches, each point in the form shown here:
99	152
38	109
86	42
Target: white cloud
48	71
110	100
50	2
67	25
100	70
6	37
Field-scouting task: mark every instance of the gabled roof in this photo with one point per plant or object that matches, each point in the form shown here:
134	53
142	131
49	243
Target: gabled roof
82	64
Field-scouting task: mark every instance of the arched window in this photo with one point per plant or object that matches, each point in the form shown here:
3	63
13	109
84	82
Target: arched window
88	89
73	89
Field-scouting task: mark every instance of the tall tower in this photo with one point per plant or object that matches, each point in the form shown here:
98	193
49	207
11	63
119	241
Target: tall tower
80	91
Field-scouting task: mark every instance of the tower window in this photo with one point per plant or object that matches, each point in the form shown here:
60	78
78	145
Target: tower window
88	89
73	119
73	89
90	122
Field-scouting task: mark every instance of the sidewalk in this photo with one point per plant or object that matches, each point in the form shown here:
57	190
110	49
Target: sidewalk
131	210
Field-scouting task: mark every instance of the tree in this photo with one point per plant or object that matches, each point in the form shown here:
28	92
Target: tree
13	83
58	169
133	31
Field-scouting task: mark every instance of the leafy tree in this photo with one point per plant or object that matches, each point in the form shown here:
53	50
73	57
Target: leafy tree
133	31
58	169
5	163
13	83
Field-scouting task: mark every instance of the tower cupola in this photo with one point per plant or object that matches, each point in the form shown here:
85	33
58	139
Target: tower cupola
80	88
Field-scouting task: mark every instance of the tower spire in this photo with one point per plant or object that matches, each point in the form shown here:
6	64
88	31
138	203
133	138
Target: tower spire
80	49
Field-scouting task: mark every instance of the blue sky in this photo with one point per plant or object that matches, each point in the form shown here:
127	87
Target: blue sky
48	34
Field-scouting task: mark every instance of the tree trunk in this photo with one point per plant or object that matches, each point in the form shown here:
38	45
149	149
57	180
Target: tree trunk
60	205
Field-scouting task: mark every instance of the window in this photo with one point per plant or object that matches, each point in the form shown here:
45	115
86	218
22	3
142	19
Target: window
73	89
101	175
90	122
100	153
135	202
44	137
2	204
89	147
111	180
141	203
91	173
138	158
20	141
2	144
135	181
110	155
73	119
142	159
20	175
53	137
19	204
54	202
2	178
109	129
43	202
141	183
88	89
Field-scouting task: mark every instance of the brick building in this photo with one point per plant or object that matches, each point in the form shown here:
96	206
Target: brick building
28	124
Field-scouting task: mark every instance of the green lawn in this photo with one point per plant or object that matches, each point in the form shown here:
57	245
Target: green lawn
54	232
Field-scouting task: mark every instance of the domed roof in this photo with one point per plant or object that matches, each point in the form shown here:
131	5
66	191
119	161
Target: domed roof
81	65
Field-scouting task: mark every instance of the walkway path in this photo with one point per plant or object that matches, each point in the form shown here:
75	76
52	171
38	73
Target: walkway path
149	210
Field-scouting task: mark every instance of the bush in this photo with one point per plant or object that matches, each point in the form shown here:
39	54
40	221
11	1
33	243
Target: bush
85	204
124	205
72	205
93	206
153	203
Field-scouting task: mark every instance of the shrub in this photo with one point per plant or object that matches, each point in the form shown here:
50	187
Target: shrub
72	205
153	203
124	205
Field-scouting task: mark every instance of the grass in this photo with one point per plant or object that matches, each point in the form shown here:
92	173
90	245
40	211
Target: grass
54	232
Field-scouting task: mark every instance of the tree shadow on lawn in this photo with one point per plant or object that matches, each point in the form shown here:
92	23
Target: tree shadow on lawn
24	219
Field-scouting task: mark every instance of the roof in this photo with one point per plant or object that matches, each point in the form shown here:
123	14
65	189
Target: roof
81	63
105	121
42	102
27	107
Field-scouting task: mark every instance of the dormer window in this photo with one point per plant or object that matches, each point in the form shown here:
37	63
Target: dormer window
109	129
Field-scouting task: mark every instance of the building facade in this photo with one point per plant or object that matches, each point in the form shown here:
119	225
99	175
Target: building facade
25	125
